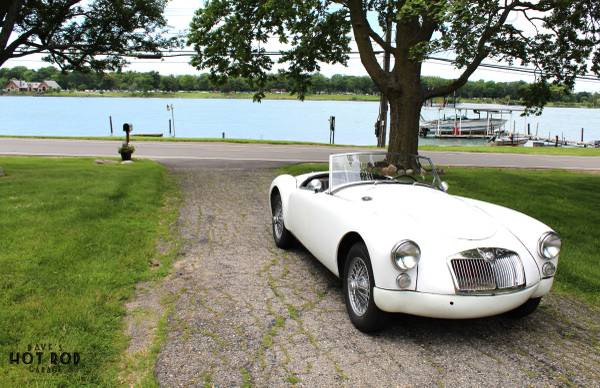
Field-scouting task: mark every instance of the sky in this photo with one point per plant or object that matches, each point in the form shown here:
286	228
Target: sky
179	13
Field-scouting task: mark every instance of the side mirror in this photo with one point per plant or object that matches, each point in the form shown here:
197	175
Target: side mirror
315	185
444	186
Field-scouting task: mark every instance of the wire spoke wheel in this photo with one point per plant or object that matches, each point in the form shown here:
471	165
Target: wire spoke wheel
277	218
359	286
283	238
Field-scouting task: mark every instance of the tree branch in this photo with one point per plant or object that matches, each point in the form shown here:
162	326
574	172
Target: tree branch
481	54
20	54
22	39
361	28
380	41
9	20
532	6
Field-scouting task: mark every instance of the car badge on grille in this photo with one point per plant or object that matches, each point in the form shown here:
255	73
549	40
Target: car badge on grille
487	255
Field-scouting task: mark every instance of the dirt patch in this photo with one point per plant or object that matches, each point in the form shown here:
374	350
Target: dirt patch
143	314
249	313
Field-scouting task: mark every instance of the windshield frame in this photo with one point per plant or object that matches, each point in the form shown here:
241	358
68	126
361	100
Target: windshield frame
435	184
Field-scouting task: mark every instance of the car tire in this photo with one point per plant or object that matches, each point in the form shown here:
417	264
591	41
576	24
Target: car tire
525	309
358	283
283	238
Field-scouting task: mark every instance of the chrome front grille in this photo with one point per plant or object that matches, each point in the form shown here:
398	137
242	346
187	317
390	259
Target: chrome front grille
487	270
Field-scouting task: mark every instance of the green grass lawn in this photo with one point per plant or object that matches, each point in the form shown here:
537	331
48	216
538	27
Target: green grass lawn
566	201
75	238
218	95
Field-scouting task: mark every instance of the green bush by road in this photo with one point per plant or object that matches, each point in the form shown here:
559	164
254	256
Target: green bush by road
566	201
75	238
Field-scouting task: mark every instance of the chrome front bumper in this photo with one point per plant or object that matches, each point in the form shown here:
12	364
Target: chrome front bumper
456	306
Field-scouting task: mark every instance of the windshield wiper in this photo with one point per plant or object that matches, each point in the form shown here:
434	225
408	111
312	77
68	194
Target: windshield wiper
391	181
422	184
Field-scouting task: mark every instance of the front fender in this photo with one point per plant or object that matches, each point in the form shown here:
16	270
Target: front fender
526	229
285	184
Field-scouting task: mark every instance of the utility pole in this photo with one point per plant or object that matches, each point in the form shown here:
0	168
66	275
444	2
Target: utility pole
381	125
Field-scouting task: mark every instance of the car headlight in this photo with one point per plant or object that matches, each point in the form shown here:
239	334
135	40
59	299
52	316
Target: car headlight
549	245
406	255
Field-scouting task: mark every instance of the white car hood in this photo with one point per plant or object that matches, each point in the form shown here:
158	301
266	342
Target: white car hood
438	213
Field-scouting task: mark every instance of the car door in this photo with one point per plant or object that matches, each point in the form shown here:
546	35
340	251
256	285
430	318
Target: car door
316	220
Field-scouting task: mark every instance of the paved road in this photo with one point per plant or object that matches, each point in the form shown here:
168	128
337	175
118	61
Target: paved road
247	312
274	153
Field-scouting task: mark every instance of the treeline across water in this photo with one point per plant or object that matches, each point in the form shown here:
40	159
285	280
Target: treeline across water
145	82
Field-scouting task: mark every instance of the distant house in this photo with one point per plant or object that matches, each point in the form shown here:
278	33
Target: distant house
34	86
15	85
50	85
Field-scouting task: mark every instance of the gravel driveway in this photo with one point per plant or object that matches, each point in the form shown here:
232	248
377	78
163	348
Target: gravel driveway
248	313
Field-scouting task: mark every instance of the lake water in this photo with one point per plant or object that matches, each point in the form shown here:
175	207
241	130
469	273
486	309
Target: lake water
271	119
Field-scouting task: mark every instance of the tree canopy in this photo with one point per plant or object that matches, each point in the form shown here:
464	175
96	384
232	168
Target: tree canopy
558	38
143	82
81	34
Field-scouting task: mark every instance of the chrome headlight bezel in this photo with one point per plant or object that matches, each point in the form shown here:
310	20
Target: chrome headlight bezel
405	255
544	240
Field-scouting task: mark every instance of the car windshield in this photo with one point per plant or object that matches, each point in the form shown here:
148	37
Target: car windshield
380	167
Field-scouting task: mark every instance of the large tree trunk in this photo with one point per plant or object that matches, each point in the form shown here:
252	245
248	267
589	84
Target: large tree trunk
405	111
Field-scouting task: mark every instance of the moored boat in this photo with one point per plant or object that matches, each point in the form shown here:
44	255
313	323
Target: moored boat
510	140
489	122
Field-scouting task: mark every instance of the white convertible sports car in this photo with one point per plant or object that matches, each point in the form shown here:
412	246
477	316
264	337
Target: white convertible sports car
385	224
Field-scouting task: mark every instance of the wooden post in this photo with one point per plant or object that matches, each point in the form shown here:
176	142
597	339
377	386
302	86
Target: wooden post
331	129
582	135
171	108
173	117
111	127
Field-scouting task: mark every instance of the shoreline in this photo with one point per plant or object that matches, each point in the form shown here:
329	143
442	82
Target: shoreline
205	95
269	96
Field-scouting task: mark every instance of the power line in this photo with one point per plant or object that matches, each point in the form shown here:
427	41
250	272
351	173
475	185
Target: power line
507	68
162	54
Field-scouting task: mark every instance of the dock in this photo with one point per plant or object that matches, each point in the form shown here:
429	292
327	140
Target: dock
490	124
461	126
